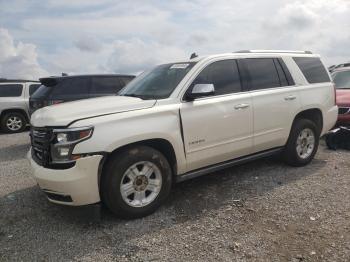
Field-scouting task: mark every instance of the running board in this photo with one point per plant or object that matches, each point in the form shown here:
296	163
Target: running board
227	164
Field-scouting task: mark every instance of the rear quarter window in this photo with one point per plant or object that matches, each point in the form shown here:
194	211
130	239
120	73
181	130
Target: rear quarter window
313	69
11	90
33	88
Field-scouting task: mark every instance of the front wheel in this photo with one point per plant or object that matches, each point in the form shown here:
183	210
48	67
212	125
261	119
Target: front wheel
136	181
302	143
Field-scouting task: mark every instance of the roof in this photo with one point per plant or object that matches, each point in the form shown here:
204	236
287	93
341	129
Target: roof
4	80
257	53
275	51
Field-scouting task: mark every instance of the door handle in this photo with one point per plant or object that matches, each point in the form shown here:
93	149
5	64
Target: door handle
241	106
289	98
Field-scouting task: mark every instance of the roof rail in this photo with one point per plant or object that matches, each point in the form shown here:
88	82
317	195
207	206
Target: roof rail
274	51
5	80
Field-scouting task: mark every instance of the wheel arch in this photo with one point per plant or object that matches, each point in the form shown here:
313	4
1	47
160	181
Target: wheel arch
313	114
17	110
162	145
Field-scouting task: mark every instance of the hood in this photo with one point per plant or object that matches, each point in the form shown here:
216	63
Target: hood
343	97
65	113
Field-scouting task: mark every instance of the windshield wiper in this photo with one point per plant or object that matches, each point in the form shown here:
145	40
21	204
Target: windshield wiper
143	97
132	95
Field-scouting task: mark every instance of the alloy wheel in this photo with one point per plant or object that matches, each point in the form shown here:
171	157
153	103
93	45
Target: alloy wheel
305	143
14	123
141	184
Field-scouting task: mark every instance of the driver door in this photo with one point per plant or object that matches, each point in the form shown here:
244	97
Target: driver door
218	127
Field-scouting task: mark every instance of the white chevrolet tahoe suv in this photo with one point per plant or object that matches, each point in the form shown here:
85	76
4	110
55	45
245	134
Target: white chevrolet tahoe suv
179	121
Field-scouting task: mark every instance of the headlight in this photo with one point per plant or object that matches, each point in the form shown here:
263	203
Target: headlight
65	140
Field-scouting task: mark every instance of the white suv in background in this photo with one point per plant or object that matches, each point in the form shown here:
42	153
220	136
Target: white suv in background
14	103
179	121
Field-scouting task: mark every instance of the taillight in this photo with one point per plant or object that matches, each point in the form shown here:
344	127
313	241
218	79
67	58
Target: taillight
335	94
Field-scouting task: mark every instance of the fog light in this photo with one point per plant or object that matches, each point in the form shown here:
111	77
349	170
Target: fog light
63	151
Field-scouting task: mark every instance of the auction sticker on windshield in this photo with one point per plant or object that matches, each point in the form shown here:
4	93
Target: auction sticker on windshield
179	66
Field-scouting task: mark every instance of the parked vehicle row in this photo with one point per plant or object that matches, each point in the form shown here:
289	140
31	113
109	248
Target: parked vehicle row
55	90
178	121
20	98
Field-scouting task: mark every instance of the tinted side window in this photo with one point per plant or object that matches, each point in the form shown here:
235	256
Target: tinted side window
262	73
312	69
33	88
223	75
11	90
71	87
105	85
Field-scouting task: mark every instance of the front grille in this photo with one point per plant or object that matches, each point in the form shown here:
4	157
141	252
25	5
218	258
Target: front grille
344	110
41	139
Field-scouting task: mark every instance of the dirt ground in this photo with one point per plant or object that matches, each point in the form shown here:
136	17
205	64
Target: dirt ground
261	211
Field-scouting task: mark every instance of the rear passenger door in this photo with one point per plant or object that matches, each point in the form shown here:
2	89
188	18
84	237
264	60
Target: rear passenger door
217	128
275	100
105	86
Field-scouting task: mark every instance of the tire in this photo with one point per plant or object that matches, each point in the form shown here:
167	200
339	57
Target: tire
13	122
120	171
301	148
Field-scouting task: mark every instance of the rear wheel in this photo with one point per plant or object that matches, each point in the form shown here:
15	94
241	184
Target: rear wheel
136	181
13	122
302	143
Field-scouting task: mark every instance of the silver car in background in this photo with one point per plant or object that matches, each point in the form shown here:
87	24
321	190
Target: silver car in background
14	104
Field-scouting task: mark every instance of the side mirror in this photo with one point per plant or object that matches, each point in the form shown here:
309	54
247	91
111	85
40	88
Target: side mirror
200	90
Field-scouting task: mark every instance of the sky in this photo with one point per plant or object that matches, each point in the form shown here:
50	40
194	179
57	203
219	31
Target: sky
41	38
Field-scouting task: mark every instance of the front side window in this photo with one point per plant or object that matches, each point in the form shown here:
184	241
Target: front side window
105	85
11	90
33	88
313	69
157	83
262	73
223	75
341	79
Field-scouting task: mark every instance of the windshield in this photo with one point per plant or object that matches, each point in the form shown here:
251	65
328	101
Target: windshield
157	83
342	79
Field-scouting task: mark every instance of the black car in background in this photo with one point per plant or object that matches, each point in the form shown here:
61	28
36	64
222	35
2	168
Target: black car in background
59	89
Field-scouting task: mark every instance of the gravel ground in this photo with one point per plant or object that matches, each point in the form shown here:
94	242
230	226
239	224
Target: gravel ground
261	211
